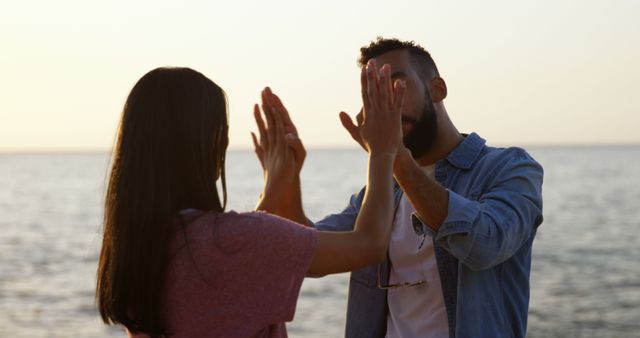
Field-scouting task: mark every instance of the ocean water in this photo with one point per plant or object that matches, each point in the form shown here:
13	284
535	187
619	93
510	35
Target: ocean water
586	264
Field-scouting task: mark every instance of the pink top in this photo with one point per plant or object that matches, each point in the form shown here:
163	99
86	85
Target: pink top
239	275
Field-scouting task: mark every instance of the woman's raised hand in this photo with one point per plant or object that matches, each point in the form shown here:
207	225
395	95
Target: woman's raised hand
381	127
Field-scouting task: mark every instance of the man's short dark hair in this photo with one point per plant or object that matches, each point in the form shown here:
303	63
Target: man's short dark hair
420	57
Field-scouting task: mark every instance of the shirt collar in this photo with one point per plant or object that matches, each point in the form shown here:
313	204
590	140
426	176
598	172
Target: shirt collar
466	153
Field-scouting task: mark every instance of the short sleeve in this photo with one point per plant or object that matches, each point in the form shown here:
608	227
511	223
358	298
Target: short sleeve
281	253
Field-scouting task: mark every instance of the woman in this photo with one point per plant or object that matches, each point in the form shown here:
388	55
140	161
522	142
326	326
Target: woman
174	263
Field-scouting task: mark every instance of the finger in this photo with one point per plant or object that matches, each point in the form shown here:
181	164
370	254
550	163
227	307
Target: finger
284	113
261	127
353	130
279	131
360	117
259	121
399	90
258	149
384	93
267	109
268	95
256	144
372	86
389	86
363	89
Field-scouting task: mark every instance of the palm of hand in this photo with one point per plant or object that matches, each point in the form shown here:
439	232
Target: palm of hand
279	149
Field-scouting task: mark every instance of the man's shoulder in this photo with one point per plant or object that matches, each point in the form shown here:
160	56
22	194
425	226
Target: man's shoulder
500	161
500	156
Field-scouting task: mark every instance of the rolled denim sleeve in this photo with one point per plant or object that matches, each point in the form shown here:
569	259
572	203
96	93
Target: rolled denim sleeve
345	220
486	232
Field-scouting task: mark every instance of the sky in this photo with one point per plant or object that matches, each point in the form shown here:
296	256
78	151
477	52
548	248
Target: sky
537	73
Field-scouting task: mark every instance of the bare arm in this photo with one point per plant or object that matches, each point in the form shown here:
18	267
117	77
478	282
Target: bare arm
367	243
382	136
288	205
428	197
286	200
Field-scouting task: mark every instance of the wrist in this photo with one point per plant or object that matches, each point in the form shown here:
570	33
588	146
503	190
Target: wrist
286	201
384	155
402	158
266	204
282	192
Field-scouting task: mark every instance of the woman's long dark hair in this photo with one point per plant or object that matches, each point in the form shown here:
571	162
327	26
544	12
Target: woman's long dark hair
169	153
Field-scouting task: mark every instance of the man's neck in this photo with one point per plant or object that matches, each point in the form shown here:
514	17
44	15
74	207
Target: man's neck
447	139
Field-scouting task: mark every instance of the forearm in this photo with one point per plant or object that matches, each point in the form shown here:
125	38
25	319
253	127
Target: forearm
266	203
285	202
487	230
376	215
290	205
427	196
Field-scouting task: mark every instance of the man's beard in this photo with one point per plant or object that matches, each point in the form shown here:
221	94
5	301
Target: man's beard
422	135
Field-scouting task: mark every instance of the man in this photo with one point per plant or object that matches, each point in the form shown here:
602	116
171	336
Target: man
459	257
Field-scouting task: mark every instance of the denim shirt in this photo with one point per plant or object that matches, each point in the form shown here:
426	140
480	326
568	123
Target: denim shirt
483	247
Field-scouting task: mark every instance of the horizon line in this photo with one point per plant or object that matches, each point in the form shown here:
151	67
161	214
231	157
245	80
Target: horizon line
324	148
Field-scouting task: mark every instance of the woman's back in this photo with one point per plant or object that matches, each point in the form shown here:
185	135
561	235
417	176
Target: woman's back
235	275
222	274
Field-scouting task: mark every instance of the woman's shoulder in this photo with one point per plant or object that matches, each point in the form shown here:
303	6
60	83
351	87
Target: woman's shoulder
191	216
247	218
233	222
232	231
260	222
236	219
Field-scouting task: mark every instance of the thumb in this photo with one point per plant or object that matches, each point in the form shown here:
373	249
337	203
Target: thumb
258	149
348	124
296	145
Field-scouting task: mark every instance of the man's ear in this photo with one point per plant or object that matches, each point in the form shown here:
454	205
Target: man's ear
438	89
